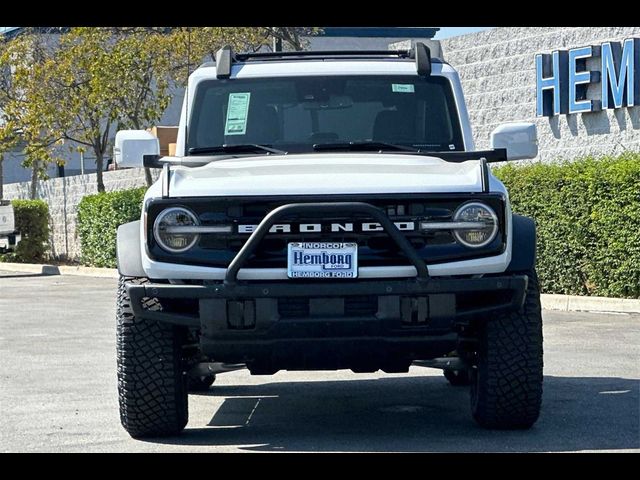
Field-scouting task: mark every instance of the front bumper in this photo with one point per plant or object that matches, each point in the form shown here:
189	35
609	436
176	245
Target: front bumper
272	325
445	297
254	324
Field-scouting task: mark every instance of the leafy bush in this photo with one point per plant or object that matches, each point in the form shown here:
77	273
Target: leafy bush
32	222
99	217
587	214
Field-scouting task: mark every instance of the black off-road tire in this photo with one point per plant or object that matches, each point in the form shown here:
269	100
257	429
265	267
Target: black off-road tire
458	378
152	389
506	386
200	384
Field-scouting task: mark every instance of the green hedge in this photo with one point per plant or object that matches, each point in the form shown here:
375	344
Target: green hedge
98	219
587	214
32	221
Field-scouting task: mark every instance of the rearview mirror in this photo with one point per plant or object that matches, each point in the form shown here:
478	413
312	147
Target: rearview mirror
334	102
520	140
132	145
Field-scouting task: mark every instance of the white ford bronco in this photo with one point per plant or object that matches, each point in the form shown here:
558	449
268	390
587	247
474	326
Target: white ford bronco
323	211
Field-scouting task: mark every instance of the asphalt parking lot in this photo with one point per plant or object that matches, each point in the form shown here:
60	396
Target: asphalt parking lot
58	390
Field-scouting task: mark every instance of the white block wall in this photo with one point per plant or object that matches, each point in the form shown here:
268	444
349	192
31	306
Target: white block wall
497	69
63	196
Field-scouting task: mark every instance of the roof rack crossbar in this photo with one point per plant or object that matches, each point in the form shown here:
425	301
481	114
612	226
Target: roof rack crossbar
325	54
420	52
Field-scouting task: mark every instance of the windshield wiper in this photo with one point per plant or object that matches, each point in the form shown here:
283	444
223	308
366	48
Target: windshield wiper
236	148
363	146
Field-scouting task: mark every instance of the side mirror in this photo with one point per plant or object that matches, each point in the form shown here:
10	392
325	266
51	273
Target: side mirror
520	140
132	145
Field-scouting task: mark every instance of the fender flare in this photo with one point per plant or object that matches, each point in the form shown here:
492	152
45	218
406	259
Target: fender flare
128	256
523	246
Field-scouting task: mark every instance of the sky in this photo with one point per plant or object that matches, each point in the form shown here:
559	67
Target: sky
445	32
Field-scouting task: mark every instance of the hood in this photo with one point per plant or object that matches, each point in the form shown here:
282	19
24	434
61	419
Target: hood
326	173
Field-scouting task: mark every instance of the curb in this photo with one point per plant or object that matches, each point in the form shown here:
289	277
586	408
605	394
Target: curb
60	270
577	303
563	303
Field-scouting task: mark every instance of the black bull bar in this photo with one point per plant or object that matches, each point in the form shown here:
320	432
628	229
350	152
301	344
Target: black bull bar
514	286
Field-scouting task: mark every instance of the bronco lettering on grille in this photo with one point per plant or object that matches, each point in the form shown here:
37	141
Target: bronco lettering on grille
333	227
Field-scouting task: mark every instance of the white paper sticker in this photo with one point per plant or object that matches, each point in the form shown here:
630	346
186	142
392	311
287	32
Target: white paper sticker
403	88
237	113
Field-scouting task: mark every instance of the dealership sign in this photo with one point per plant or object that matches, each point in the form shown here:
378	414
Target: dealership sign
562	78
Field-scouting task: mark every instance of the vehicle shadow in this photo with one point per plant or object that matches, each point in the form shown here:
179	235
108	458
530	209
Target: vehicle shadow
414	414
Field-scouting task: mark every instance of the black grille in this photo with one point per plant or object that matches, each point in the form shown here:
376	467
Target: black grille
354	306
374	248
296	307
361	305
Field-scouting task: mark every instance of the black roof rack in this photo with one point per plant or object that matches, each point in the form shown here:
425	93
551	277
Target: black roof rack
225	57
242	57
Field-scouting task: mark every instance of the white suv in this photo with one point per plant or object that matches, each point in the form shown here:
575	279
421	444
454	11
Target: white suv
327	210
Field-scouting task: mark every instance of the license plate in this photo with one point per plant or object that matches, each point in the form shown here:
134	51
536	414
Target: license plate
322	260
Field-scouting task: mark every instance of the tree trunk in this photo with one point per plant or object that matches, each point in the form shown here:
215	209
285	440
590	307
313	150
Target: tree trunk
34	180
1	177
99	168
147	177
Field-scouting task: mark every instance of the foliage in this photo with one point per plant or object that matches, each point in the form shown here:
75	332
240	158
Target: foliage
32	222
291	37
98	219
26	102
83	83
83	79
588	222
189	46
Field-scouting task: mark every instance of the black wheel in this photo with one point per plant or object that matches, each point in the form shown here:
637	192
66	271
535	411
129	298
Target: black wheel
200	384
458	378
151	386
506	385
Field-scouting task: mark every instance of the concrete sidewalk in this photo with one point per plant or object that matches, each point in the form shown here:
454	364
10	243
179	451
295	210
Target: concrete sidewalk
45	269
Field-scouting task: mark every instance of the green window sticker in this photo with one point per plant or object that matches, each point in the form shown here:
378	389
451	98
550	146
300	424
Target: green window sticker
237	113
403	88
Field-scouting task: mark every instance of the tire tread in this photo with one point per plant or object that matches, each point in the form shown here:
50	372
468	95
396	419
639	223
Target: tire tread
510	367
151	385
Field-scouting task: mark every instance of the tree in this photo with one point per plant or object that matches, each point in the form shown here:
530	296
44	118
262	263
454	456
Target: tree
107	77
141	58
26	104
6	130
192	46
90	81
290	36
81	81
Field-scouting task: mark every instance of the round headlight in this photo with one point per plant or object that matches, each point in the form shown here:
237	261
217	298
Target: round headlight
171	229
477	213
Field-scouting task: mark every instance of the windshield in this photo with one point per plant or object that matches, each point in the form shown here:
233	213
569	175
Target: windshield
295	114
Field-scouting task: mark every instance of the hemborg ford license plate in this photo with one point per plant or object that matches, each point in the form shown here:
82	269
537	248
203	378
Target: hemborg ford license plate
322	260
